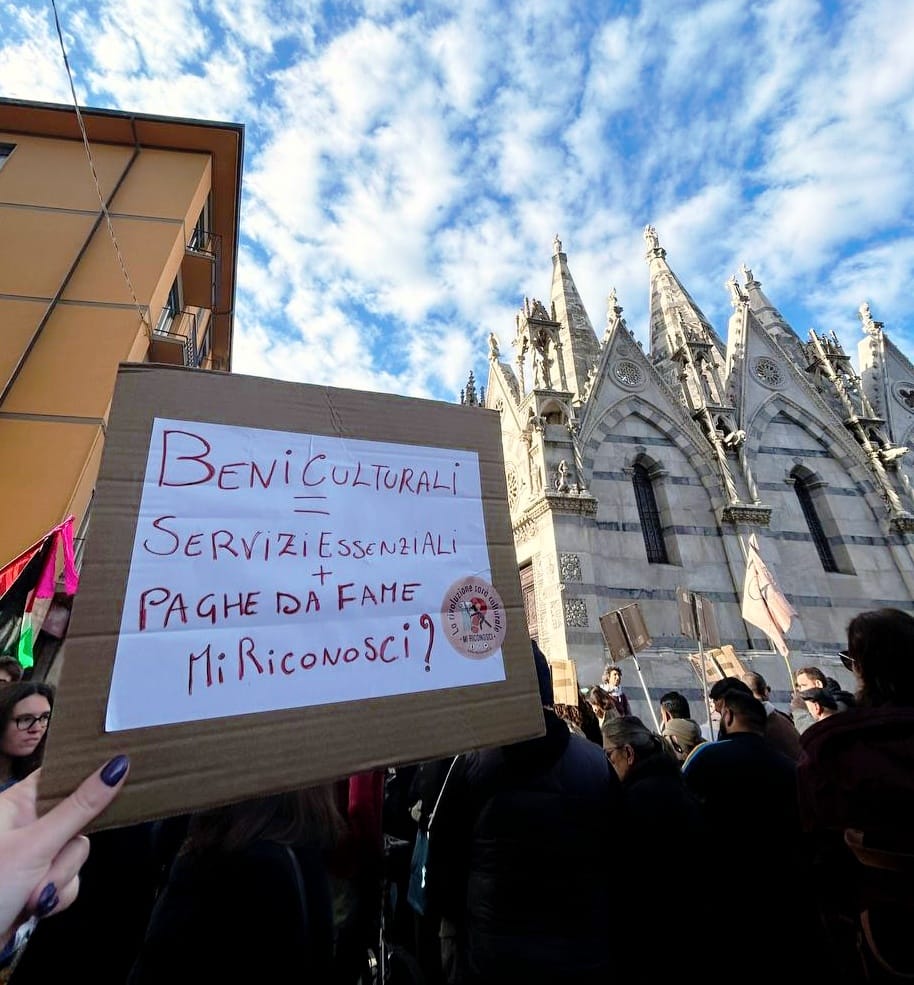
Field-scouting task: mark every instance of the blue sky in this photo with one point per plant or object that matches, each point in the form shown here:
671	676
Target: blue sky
409	164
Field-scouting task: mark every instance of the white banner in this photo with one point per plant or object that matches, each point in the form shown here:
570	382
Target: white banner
276	570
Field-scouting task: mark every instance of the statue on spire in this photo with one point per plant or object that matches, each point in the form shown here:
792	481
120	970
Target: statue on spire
651	238
870	325
556	246
494	352
736	294
747	275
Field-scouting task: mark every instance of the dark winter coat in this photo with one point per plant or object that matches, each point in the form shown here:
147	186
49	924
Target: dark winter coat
510	853
247	916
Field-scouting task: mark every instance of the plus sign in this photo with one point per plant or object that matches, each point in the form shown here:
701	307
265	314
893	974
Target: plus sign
322	574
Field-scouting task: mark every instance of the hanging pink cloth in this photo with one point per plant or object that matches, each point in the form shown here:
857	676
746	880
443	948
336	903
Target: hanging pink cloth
63	535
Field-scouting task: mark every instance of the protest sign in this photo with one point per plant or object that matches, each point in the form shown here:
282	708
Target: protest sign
285	584
720	662
564	682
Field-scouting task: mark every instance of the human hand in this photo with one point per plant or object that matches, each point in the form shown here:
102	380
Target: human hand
40	857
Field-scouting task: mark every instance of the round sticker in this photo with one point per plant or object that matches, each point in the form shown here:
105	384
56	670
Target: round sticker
473	618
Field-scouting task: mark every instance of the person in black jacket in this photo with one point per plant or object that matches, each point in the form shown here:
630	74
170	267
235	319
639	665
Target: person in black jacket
663	834
247	899
509	851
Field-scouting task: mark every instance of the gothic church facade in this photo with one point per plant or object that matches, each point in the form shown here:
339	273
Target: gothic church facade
630	473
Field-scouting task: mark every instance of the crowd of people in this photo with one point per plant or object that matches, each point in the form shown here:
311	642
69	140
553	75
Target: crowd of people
766	843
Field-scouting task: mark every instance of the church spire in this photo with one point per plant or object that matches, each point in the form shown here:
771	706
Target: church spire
673	312
579	346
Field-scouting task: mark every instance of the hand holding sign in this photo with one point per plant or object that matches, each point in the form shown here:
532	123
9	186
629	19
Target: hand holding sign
248	579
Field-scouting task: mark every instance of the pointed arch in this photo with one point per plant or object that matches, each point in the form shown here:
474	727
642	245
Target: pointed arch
840	448
691	445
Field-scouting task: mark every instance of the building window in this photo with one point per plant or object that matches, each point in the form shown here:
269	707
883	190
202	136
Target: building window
171	310
5	151
649	515
804	495
199	237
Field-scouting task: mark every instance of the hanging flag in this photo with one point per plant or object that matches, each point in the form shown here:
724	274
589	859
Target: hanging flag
764	604
33	575
16	607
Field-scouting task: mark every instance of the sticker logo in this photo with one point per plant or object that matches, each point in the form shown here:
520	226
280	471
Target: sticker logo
473	618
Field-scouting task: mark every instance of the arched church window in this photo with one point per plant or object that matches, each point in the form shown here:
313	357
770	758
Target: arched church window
649	515
804	495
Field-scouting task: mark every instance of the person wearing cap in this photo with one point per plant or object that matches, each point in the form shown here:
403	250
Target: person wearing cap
819	703
683	736
808	679
510	853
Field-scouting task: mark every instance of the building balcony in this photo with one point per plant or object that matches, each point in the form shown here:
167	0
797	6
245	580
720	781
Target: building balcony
200	270
181	339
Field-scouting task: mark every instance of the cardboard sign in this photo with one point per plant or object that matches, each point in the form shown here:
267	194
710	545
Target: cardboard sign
564	682
720	662
625	632
286	584
707	630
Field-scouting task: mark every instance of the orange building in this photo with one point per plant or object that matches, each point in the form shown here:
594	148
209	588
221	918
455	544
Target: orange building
67	313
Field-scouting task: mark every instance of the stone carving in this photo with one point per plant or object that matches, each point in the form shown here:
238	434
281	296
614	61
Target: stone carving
736	295
628	373
768	372
904	394
493	347
651	238
561	477
570	567
513	486
576	613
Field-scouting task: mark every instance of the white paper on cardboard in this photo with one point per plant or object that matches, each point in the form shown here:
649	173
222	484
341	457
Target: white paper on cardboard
274	570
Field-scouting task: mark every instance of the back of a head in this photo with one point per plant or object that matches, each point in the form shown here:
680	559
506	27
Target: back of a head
723	686
813	673
748	712
683	734
298	817
756	684
675	705
10	670
881	643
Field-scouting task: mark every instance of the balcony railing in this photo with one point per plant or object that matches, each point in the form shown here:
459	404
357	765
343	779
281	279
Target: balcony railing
200	269
175	340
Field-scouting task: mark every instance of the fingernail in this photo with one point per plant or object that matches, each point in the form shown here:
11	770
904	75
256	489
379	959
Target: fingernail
114	770
47	900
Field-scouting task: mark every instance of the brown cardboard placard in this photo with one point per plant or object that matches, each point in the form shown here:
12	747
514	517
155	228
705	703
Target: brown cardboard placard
258	663
720	662
564	682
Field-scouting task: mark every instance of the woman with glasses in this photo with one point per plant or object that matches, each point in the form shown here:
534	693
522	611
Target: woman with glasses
25	711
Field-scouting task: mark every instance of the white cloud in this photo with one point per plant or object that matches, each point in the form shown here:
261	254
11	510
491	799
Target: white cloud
408	166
